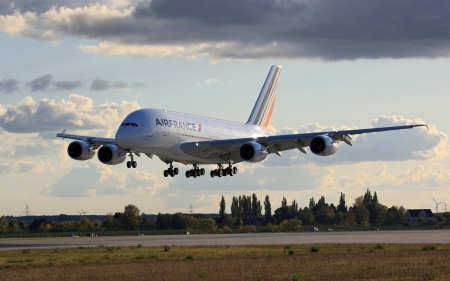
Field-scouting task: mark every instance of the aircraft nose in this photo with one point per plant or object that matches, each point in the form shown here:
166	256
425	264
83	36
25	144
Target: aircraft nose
121	138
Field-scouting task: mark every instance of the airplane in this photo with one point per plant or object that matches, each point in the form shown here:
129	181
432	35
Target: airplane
195	140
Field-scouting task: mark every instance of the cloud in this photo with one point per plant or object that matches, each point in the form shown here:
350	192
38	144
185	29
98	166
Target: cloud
411	144
78	113
241	29
101	85
101	180
67	85
208	82
42	83
8	86
24	166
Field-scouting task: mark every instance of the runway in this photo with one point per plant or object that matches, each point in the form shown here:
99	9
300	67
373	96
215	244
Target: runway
350	237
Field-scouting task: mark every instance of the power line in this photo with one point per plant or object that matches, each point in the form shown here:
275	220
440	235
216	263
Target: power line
191	209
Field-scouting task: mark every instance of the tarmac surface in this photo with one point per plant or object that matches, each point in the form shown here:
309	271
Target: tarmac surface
342	237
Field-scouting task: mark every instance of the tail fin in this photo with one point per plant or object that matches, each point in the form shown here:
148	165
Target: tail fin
262	111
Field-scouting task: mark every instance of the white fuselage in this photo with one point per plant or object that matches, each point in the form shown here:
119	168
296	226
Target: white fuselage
161	132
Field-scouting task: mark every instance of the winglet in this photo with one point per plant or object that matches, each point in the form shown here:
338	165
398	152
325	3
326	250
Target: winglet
63	131
426	125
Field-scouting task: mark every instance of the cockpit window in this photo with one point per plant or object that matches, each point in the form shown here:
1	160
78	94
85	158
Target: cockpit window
127	124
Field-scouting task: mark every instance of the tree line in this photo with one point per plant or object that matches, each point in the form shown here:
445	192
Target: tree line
245	210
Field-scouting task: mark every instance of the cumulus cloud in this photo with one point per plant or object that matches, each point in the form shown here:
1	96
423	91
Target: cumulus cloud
78	113
8	86
412	144
101	85
241	29
208	82
101	180
24	166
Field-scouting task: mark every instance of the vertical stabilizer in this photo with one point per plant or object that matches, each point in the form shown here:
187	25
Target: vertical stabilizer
262	111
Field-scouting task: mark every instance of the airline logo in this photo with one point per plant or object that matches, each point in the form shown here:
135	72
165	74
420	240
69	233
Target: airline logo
178	124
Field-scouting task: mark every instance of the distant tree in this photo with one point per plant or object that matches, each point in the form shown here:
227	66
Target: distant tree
130	217
420	220
108	222
163	221
3	225
360	211
258	209
321	203
178	221
291	225
229	220
83	224
342	207
395	216
235	208
294	206
367	197
325	215
117	221
96	225
222	208
307	216
13	226
246	203
350	218
267	209
375	198
312	204
284	202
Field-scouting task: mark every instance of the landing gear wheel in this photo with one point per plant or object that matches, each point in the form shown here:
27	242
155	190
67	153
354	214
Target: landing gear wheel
212	174
128	164
202	171
166	173
172	173
134	164
176	171
188	174
235	170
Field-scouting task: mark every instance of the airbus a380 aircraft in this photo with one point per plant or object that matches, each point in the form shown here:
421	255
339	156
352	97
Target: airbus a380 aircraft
196	140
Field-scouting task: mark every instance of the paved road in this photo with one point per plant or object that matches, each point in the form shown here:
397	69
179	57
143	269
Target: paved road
351	237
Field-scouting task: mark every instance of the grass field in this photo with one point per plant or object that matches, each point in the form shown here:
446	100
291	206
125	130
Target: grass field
289	262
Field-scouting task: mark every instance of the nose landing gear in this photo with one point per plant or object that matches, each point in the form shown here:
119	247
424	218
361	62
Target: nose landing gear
131	163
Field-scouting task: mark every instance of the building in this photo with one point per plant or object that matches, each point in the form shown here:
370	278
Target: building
413	214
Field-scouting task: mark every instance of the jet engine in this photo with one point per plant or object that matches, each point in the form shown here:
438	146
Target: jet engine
111	154
80	150
253	152
323	146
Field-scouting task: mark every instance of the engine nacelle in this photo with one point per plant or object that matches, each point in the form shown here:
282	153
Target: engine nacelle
323	146
253	152
111	154
80	150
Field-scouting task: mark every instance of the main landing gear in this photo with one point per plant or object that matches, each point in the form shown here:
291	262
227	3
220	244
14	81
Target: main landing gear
223	172
131	163
171	171
195	172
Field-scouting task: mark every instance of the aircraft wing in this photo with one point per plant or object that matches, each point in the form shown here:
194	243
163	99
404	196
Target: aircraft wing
92	140
229	149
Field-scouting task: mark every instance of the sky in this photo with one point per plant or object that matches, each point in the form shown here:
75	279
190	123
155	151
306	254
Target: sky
84	65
